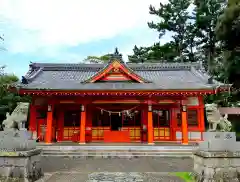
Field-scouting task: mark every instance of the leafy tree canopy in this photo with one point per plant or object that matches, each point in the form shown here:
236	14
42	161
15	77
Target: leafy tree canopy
202	30
8	100
98	59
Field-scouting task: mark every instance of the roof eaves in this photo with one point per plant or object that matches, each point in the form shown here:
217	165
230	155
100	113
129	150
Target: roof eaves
132	89
205	77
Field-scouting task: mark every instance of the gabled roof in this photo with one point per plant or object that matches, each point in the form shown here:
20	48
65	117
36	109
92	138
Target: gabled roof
151	77
116	66
130	77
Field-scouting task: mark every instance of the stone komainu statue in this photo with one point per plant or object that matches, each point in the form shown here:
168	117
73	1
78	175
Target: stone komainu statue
215	119
16	140
18	118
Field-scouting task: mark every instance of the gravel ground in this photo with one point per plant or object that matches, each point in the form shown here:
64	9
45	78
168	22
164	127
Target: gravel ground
144	169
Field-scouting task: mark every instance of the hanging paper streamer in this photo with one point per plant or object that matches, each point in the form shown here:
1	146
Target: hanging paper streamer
127	112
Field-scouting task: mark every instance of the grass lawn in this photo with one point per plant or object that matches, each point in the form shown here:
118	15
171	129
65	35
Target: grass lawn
186	176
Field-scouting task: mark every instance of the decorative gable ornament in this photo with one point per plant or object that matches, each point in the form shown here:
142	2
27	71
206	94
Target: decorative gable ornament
116	70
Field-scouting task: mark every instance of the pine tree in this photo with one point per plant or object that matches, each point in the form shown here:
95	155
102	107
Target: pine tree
174	17
207	13
139	55
228	32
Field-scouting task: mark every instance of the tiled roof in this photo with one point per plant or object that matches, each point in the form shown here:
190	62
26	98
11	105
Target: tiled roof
163	76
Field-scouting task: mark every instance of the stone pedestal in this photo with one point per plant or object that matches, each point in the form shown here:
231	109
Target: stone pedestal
11	140
219	141
216	166
218	158
219	135
22	166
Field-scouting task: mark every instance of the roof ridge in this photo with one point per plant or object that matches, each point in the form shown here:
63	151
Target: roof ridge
167	63
39	64
132	66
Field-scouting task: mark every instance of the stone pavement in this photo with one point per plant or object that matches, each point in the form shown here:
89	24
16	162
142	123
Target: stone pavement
112	177
144	169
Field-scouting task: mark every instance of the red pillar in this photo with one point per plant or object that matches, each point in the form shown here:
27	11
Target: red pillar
144	121
150	125
89	124
184	125
83	124
60	126
48	136
201	116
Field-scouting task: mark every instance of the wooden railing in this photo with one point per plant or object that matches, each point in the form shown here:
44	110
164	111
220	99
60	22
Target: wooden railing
98	133
69	132
161	134
135	133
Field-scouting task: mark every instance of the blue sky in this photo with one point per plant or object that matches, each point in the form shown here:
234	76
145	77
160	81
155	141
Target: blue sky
70	30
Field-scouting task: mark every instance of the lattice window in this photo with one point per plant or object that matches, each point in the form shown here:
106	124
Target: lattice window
100	119
192	117
161	118
72	118
132	119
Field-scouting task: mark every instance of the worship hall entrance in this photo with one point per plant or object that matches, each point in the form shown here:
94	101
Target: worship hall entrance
111	122
116	122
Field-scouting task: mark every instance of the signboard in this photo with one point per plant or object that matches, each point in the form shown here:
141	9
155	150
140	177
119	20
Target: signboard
192	101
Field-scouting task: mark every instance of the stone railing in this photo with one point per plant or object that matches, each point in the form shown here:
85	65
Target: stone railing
218	158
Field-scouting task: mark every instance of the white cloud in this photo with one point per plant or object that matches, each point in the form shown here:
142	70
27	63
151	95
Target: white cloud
54	23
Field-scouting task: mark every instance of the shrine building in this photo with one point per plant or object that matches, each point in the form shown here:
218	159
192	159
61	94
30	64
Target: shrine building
117	101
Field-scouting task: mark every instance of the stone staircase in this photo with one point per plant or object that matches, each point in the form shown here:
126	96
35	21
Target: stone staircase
117	151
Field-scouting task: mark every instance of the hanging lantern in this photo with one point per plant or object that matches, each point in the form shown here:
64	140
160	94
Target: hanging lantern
109	113
101	112
119	113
